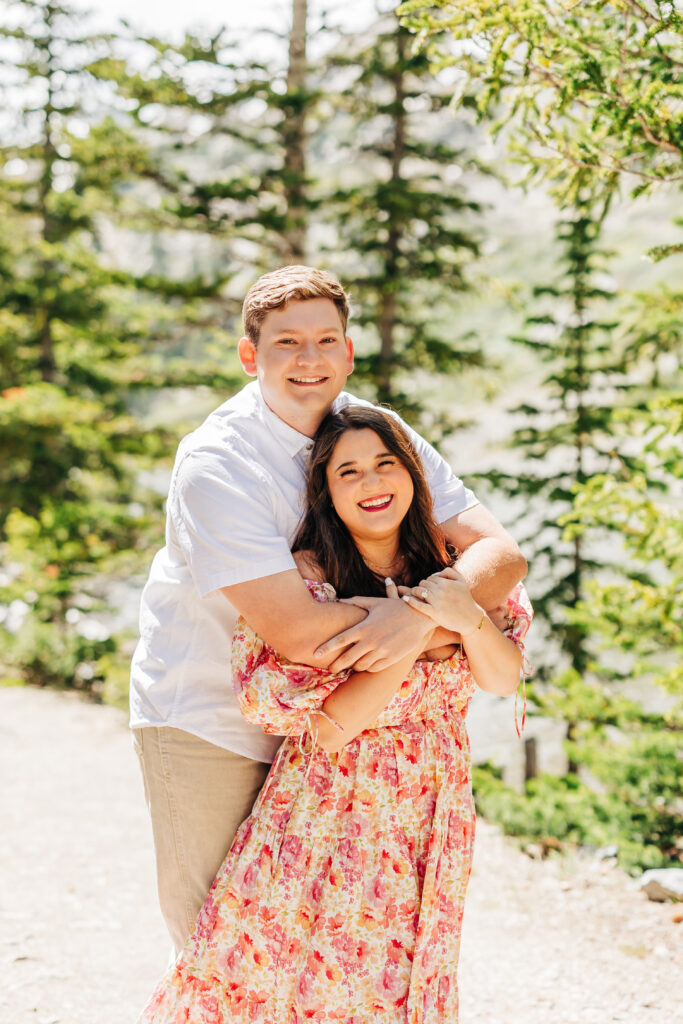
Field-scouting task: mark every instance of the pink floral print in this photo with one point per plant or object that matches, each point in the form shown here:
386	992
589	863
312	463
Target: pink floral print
341	898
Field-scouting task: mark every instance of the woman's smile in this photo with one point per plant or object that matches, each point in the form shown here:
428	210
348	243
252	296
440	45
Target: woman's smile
376	504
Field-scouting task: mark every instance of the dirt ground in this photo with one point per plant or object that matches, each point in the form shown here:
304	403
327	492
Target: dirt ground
567	941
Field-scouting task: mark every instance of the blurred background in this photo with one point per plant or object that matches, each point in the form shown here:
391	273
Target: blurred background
499	194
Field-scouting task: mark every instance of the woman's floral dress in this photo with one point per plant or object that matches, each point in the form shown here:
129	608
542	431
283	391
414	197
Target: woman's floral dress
342	896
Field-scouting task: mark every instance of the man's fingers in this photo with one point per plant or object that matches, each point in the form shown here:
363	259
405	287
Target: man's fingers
349	657
368	663
337	643
361	602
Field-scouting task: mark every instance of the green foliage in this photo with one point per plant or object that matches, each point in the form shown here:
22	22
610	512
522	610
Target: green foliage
230	133
78	335
586	86
640	610
564	432
635	816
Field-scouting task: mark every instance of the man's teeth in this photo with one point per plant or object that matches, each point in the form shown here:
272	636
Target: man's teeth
374	502
307	380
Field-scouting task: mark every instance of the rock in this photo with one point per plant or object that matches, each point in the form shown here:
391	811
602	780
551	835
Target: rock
663	884
606	852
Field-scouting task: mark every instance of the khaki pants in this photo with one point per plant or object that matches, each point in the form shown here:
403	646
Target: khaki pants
197	794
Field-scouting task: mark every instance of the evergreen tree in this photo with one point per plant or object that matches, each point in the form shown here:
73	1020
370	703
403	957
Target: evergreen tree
232	133
565	434
406	236
74	345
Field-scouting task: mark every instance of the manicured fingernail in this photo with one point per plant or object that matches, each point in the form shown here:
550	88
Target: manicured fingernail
406	598
388	581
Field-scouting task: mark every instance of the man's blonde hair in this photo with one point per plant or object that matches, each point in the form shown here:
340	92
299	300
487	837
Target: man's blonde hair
275	289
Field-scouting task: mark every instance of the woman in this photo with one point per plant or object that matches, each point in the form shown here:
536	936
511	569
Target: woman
341	898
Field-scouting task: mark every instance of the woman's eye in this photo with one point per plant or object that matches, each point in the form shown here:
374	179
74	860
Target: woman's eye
347	472
387	462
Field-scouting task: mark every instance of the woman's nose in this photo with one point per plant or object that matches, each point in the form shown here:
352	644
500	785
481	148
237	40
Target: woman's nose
370	479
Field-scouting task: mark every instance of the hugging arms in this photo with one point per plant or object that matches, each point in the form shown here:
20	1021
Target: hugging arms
337	636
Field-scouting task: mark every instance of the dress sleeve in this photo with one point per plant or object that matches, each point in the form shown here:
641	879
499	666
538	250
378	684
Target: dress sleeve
518	616
273	692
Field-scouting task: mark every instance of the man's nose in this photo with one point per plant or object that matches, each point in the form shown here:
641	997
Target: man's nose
307	354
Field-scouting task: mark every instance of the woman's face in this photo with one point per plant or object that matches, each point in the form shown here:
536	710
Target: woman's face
370	488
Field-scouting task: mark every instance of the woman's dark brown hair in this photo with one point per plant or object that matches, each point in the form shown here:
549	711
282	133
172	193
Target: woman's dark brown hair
322	532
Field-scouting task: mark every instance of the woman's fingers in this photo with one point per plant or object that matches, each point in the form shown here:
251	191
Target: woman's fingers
451	574
419	606
392	589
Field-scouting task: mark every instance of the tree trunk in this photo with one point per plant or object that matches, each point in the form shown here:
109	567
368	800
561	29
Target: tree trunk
45	185
387	303
294	138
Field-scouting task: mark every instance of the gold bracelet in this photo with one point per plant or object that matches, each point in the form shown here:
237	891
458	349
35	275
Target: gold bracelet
476	628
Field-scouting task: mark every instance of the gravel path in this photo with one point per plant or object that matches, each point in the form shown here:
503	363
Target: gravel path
82	940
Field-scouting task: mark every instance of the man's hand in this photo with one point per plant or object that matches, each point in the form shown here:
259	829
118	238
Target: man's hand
390	631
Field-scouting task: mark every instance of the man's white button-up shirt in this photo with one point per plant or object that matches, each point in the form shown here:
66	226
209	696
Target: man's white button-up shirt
235	501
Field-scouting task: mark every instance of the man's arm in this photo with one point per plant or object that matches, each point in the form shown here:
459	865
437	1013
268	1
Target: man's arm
282	611
491	563
490	559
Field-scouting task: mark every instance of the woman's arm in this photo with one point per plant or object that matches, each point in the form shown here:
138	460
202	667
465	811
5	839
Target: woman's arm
358	701
495	661
364	695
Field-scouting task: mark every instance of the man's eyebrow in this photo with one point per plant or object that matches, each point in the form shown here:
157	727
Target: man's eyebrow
321	330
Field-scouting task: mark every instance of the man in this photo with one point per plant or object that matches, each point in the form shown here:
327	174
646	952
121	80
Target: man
235	500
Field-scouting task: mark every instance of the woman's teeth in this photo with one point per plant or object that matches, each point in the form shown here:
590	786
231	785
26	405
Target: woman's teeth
380	502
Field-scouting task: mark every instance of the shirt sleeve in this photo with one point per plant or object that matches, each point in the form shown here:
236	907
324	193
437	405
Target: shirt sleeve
220	508
449	494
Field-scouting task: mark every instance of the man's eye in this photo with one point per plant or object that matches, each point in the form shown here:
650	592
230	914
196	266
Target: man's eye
286	341
326	341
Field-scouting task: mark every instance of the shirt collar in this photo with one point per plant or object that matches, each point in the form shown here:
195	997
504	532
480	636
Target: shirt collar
291	440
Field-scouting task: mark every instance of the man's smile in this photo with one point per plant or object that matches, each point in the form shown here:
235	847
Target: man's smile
306	381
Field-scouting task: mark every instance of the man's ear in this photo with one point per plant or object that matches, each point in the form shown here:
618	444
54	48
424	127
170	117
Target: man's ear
349	354
246	350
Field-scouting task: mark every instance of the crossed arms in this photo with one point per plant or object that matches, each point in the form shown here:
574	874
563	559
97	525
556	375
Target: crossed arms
281	610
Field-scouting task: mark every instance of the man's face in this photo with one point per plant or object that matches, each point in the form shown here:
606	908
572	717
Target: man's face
301	361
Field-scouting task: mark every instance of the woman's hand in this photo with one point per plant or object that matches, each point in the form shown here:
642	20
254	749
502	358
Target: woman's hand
446	599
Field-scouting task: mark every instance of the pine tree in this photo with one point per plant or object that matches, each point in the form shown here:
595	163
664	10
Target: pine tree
232	133
564	436
74	345
406	237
